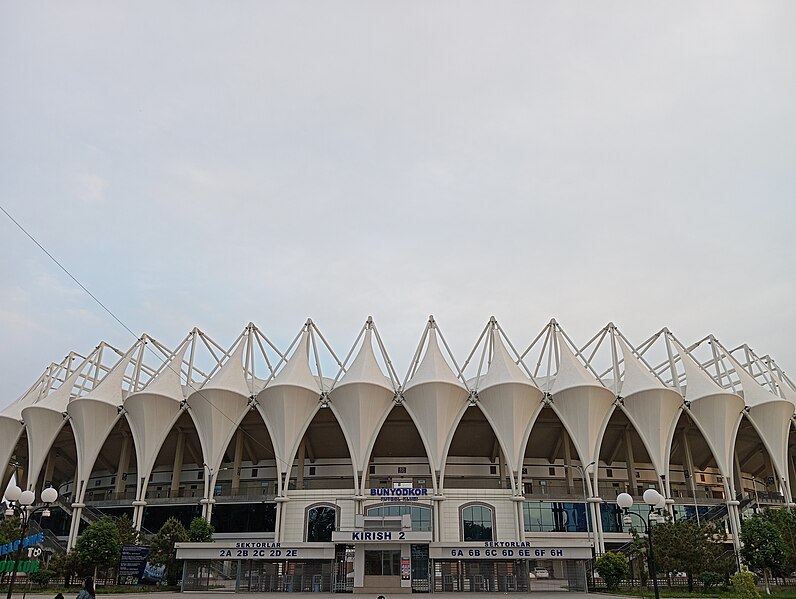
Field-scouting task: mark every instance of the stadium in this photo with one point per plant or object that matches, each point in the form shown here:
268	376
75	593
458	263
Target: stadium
324	471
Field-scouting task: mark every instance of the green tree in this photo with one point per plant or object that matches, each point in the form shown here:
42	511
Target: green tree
162	550
785	521
613	567
10	530
696	549
127	532
68	565
200	531
762	547
100	545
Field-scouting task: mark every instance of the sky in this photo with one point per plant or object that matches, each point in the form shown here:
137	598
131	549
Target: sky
209	164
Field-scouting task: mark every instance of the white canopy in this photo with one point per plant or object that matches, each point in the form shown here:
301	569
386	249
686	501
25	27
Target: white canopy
651	406
93	417
582	403
770	415
715	411
436	400
11	425
218	408
288	405
361	401
43	420
510	402
152	413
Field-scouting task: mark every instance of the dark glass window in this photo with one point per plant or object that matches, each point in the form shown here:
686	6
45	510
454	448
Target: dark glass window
244	517
555	516
383	563
421	516
321	521
477	523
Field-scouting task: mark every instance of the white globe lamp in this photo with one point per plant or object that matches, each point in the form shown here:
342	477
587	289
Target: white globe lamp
652	497
49	495
27	498
624	501
13	492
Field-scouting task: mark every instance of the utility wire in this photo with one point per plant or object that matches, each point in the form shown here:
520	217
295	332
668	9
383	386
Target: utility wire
166	362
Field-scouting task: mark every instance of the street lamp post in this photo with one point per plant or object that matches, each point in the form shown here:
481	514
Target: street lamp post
655	501
19	504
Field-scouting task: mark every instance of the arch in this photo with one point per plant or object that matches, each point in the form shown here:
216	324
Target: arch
250	449
622	442
180	448
19	455
117	453
398	439
323	439
319	523
477	521
691	450
752	457
476	439
549	443
61	461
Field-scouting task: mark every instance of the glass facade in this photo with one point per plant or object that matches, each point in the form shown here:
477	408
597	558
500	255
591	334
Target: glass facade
421	515
383	563
477	523
243	517
555	516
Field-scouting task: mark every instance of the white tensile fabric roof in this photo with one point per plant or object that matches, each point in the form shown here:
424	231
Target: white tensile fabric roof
434	394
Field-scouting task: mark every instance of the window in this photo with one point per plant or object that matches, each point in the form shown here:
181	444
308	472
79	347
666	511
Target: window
552	471
401	469
555	516
477	523
421	515
312	470
200	475
321	521
97	482
609	473
254	472
372	469
493	470
383	563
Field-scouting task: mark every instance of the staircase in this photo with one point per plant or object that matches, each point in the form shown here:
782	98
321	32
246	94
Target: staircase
51	542
91	514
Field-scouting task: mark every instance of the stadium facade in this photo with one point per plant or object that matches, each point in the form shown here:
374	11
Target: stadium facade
481	474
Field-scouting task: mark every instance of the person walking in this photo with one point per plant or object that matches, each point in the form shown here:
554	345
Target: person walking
87	592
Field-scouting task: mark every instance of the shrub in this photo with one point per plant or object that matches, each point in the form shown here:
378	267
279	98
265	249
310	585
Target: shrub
613	567
41	577
744	585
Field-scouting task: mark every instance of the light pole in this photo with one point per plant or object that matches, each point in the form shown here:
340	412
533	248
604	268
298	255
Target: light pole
19	505
655	501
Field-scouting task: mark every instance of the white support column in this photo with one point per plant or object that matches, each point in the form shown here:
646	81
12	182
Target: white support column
689	463
738	482
630	462
176	473
124	464
49	469
301	458
568	463
237	462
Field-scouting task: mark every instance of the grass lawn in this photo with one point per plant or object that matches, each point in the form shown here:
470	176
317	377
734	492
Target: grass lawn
719	592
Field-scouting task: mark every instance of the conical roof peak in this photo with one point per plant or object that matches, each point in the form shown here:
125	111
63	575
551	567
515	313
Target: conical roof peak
168	383
637	376
296	370
109	388
571	373
433	368
231	376
502	368
365	368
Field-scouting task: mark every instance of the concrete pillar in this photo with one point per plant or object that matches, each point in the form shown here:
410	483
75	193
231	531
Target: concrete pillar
236	464
630	461
124	464
689	462
302	453
738	475
49	469
176	473
501	467
568	471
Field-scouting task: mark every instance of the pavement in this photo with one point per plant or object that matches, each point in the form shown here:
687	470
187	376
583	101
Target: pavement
221	594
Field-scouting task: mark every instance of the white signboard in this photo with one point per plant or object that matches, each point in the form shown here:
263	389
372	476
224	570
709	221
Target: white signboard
264	550
380	536
507	550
